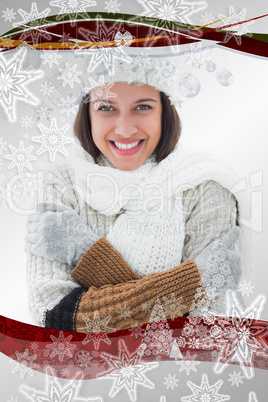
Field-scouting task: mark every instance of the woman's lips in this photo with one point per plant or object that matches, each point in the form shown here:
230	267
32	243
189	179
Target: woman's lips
127	152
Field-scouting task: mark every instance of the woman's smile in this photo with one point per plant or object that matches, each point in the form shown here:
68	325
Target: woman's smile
127	149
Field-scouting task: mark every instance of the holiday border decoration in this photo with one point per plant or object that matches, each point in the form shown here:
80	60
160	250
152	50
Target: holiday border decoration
150	31
208	338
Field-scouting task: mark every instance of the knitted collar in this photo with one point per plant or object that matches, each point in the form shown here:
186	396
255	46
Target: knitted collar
111	191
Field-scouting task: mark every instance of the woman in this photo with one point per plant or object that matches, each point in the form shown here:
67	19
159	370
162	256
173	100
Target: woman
134	220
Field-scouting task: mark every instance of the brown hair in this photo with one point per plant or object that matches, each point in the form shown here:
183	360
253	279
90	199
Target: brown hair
170	121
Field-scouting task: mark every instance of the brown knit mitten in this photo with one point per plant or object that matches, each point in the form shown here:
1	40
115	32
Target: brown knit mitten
103	265
122	306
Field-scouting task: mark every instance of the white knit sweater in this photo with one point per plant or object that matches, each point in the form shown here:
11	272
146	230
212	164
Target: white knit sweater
209	211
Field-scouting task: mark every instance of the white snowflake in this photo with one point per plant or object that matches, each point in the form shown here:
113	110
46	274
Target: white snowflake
43	113
13	82
205	392
20	157
83	359
53	139
65	39
246	288
26	122
32	22
99	92
47	88
166	11
236	378
97	329
238	341
142	61
125	312
100	54
171	381
188	363
29	184
215	332
126	371
8	195
237	30
72	7
34	346
50	57
1	164
61	346
194	343
187	330
173	307
166	73
2	146
68	105
207	18
112	6
53	389
197	56
9	14
146	307
66	372
69	75
24	363
136	331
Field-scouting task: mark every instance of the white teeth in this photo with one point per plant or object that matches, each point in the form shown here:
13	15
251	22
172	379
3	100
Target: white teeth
126	146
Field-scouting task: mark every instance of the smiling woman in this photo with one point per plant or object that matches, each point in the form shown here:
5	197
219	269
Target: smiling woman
134	220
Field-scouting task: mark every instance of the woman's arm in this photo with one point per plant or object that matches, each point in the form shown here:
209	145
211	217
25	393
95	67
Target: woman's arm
130	300
210	211
179	290
49	281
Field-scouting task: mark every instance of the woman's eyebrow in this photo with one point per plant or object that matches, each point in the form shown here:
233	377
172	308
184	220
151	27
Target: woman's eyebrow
146	100
110	102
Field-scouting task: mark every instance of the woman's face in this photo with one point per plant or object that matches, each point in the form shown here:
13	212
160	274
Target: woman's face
130	119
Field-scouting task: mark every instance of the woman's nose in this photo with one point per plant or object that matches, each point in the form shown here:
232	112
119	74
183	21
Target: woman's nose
125	126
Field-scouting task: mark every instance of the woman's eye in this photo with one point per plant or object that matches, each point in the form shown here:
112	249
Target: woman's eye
105	108
144	107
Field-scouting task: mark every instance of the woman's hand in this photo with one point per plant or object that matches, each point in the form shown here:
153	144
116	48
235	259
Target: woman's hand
219	265
58	233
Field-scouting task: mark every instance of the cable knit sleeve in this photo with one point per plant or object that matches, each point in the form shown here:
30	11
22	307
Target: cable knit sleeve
49	281
210	211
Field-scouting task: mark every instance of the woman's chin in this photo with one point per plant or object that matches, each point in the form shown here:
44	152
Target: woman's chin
127	165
